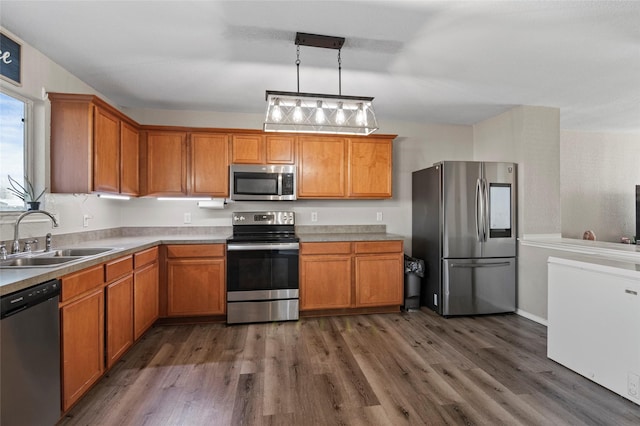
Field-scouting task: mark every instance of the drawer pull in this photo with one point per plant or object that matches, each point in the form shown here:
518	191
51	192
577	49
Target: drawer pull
635	293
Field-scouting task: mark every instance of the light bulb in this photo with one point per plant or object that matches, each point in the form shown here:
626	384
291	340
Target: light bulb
340	115
297	112
276	114
319	113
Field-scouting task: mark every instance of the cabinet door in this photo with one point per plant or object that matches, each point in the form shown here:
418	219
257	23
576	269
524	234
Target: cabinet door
325	282
106	152
209	164
166	163
321	167
129	159
379	280
145	298
280	149
247	149
119	308
196	287
370	165
82	332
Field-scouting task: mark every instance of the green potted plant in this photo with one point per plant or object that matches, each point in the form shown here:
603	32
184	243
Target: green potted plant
26	193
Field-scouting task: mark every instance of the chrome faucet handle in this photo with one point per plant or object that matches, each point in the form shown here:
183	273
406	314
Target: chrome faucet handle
3	252
27	245
47	242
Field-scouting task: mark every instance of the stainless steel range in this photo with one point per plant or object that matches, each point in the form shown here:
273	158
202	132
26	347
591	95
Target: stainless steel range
262	268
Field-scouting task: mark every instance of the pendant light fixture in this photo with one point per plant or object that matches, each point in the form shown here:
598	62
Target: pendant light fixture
319	113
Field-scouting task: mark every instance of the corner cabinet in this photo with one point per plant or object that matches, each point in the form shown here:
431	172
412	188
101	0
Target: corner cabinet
180	163
94	147
146	290
336	167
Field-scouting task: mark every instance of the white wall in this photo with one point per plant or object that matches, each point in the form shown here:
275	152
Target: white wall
599	173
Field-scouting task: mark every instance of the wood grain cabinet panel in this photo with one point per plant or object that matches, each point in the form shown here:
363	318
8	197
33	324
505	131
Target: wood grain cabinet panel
82	345
166	163
145	298
325	282
247	149
196	287
322	167
370	166
209	164
119	311
378	279
129	160
280	149
106	154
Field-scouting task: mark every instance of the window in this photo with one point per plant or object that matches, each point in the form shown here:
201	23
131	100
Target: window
13	148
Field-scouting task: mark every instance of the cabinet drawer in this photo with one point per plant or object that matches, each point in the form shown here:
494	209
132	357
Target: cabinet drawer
378	247
196	250
79	282
118	268
325	248
145	257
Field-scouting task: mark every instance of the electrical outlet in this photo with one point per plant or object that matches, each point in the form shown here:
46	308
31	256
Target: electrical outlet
314	216
85	220
379	216
187	218
633	385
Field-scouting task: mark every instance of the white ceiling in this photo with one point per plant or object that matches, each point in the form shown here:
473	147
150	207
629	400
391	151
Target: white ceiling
433	62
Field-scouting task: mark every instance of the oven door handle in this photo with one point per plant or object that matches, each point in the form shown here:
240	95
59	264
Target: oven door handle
266	246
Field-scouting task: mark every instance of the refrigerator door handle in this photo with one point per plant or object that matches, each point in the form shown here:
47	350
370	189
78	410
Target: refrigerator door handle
479	209
480	265
485	210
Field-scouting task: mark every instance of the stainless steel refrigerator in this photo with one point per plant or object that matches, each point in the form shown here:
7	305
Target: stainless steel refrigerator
464	227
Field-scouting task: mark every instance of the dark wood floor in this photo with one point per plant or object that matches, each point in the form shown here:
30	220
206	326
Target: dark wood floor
393	369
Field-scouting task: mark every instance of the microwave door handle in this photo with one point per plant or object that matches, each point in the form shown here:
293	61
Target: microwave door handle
279	184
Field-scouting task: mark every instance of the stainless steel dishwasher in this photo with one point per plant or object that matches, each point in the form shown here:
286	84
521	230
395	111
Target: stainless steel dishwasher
30	356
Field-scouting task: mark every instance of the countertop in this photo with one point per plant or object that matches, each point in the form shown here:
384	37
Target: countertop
619	251
12	280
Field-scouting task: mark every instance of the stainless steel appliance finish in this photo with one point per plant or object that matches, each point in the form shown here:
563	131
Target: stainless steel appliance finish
262	182
30	356
464	227
262	268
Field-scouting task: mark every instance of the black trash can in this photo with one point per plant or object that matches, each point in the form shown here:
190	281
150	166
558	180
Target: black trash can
413	274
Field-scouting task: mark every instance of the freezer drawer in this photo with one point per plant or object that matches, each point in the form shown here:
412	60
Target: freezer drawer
478	286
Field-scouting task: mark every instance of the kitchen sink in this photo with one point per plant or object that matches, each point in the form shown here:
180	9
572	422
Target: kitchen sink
77	252
52	258
38	261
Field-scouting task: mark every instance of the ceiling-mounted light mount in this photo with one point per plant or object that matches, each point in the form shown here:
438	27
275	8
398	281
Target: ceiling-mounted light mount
316	112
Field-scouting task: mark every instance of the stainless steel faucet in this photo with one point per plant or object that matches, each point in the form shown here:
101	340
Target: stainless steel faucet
15	247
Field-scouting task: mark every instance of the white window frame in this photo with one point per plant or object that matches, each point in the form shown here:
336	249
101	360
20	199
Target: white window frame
28	143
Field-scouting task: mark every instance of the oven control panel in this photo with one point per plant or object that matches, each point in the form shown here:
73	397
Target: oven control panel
263	218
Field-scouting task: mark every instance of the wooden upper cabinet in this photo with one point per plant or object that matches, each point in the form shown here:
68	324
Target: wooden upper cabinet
129	160
106	152
209	164
166	163
87	152
263	149
370	168
322	167
280	149
247	149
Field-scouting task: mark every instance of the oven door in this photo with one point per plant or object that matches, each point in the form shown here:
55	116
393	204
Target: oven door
262	282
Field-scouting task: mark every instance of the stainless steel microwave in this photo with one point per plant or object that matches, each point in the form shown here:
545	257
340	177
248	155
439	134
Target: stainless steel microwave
262	182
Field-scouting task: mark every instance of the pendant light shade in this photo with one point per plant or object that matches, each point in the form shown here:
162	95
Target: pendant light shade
300	112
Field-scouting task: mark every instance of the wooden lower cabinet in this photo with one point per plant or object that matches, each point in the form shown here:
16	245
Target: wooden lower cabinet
378	280
82	340
196	280
145	298
119	310
343	275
